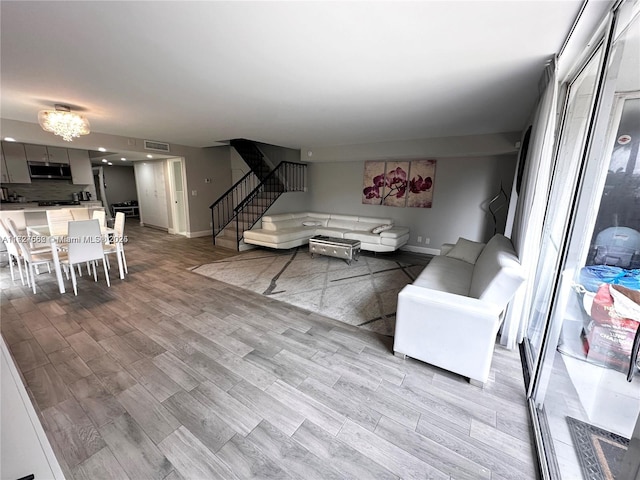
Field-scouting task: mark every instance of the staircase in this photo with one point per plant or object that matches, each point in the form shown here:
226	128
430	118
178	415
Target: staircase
253	157
251	196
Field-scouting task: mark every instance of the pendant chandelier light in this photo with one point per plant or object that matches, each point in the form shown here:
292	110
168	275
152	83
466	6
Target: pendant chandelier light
63	122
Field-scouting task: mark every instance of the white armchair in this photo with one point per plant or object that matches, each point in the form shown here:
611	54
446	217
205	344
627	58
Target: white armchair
450	316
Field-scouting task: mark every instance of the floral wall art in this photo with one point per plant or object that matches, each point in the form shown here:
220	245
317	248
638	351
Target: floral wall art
399	183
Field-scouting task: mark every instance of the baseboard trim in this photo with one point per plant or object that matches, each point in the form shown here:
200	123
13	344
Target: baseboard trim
415	249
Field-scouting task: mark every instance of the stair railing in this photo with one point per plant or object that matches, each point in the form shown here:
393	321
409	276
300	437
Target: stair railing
287	177
253	156
223	209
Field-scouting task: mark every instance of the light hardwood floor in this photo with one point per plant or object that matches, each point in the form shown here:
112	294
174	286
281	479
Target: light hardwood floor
171	375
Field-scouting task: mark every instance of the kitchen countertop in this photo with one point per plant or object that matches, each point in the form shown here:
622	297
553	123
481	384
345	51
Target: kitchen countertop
34	207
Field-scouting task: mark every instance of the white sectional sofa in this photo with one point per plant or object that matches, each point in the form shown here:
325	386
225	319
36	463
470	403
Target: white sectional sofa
450	315
290	230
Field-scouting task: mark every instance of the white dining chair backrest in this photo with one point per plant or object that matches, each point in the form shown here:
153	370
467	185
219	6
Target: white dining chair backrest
9	240
116	245
84	241
101	216
85	245
17	216
58	221
118	224
33	258
80	214
13	228
12	249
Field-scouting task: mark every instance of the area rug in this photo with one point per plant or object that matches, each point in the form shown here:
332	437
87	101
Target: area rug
362	294
600	452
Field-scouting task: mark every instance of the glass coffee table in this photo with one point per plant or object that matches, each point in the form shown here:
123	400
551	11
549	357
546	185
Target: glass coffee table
343	248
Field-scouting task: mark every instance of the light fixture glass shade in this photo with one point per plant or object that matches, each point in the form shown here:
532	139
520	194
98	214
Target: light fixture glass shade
63	122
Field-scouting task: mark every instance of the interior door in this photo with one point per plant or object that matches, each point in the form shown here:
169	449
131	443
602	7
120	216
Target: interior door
152	196
178	197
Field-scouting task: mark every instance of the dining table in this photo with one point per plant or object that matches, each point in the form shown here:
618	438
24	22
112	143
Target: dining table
41	234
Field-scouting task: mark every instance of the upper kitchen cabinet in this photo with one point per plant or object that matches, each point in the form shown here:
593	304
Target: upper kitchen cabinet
4	171
81	173
14	163
57	155
42	153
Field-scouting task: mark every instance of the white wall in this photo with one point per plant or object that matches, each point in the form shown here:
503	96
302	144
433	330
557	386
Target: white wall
462	187
121	183
464	146
201	164
239	167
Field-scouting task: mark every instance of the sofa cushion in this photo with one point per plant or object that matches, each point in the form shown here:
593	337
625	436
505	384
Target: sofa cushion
279	236
466	250
394	241
395	232
381	228
332	232
364	237
497	273
446	275
345	224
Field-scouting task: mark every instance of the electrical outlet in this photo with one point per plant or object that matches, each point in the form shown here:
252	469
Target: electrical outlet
419	239
211	224
427	241
194	193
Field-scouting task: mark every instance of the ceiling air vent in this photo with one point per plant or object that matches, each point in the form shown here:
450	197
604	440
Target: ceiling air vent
157	146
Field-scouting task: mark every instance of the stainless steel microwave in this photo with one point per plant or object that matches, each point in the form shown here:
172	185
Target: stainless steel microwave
60	171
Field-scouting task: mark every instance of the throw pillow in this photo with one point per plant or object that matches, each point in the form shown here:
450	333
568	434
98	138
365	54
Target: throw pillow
382	228
466	250
312	224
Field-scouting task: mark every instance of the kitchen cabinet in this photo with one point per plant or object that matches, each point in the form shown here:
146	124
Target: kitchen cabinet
42	153
80	163
58	155
4	172
15	163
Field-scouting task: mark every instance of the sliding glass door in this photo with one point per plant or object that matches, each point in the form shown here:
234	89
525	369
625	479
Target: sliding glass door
578	110
585	384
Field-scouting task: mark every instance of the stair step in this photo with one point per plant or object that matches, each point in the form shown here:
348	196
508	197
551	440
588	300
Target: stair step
245	246
231	244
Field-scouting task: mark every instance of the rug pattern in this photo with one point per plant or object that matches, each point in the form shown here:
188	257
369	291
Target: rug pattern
599	451
363	294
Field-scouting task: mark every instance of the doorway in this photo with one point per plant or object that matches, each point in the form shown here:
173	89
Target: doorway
178	197
101	193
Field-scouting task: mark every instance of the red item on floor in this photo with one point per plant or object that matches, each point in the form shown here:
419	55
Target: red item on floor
609	337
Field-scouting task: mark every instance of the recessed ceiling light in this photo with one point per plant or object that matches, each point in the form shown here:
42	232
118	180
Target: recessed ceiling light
109	163
102	149
123	159
104	160
149	156
9	139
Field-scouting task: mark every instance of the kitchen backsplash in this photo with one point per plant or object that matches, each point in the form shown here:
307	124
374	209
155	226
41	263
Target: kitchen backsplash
39	190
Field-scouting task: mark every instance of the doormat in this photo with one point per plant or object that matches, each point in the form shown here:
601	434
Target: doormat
363	294
599	451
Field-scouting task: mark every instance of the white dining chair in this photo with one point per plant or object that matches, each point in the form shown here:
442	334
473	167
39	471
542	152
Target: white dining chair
24	236
12	249
85	246
111	247
57	220
80	214
101	216
33	258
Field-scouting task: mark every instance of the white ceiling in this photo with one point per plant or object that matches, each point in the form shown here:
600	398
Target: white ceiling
287	73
